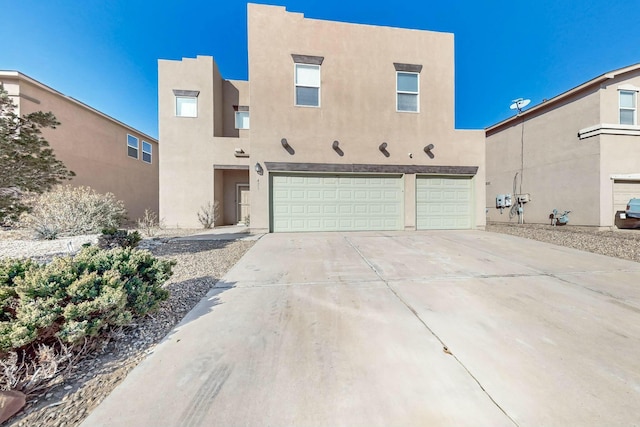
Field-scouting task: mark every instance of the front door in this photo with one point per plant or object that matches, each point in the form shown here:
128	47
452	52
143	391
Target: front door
243	203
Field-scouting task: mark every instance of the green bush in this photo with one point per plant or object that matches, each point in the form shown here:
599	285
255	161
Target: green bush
114	238
72	298
71	211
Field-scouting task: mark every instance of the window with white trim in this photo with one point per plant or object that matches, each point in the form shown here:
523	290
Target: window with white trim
132	146
146	152
242	120
186	106
407	91
628	99
307	82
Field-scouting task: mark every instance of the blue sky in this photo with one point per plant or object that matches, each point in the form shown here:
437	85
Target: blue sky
105	53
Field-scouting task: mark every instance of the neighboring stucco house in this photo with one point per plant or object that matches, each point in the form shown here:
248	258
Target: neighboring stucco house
105	154
351	128
579	151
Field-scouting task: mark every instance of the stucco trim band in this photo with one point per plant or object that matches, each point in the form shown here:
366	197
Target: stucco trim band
29	98
179	92
236	167
609	129
307	59
362	168
412	68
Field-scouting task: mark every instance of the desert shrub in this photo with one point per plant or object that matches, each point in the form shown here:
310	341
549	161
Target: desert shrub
209	214
149	223
74	298
114	238
71	211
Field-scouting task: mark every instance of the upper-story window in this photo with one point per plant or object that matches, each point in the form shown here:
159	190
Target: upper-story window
408	91
242	117
132	146
628	103
146	152
407	87
307	80
308	85
186	103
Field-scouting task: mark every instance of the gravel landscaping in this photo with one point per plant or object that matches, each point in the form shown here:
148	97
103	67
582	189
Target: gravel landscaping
200	265
624	244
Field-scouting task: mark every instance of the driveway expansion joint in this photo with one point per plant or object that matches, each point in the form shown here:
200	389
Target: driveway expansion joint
445	348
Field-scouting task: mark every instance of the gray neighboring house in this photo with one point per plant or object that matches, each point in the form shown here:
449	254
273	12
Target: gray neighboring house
579	151
341	127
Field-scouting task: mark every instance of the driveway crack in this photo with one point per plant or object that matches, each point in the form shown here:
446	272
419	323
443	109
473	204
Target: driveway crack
435	335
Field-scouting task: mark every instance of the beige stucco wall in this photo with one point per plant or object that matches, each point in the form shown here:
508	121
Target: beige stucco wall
191	146
358	100
560	170
94	147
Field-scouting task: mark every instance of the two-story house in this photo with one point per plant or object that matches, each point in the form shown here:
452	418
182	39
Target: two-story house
579	151
340	127
105	154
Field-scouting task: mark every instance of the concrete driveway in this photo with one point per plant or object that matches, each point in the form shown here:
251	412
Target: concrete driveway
410	329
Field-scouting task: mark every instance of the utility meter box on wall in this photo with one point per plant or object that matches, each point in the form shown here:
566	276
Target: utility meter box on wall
503	200
524	198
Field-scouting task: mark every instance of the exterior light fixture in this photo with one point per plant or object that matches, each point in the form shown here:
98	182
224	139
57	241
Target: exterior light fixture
259	169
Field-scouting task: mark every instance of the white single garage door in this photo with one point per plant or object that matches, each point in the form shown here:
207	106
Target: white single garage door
336	202
624	190
443	203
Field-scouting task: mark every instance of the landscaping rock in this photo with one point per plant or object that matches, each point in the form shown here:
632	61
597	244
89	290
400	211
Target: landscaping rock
10	403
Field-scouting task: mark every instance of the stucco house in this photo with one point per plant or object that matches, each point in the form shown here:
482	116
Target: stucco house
340	127
578	151
106	154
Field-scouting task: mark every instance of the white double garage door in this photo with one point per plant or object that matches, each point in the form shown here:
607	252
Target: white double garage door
352	202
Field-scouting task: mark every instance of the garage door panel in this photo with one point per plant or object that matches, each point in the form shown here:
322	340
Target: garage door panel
623	191
443	203
337	203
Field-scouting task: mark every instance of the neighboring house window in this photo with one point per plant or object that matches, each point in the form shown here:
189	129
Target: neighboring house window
132	146
407	91
627	107
242	120
308	85
186	102
146	152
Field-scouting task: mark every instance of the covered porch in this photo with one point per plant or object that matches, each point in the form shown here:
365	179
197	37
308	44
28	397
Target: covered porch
231	191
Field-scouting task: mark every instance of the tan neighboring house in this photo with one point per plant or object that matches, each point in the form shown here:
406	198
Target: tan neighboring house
579	151
106	155
340	127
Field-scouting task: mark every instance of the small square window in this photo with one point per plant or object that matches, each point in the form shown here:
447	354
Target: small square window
407	91
146	152
132	146
186	106
627	107
242	120
307	82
